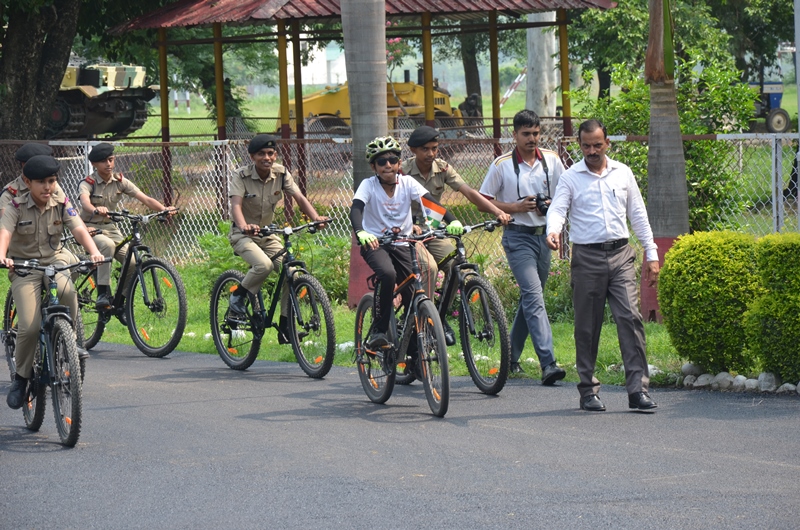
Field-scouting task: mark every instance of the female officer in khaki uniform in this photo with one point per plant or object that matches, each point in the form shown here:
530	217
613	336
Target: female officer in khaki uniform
31	228
255	191
99	193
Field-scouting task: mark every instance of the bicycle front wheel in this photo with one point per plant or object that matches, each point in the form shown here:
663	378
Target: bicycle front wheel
311	328
375	367
156	308
237	340
10	332
65	383
486	344
93	322
433	358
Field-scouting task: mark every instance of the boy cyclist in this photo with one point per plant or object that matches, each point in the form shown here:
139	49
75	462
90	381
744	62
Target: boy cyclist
381	203
100	193
255	191
31	228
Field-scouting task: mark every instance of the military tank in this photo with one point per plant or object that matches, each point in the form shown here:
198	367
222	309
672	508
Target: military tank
100	99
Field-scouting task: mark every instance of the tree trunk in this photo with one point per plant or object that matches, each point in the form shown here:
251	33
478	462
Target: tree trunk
604	81
668	199
540	95
364	31
469	59
35	54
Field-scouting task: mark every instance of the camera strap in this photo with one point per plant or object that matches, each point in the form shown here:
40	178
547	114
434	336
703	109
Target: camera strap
541	158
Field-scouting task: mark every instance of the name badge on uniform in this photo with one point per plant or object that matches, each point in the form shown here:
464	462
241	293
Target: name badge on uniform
24	223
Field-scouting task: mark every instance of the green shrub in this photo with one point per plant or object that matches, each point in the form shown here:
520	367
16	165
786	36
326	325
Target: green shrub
773	334
328	259
778	263
220	253
772	323
706	284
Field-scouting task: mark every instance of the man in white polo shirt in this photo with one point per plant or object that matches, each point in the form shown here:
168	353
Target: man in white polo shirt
513	183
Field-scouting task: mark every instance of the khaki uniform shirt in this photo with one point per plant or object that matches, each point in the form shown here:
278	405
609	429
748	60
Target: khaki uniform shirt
17	187
441	173
36	234
108	194
260	198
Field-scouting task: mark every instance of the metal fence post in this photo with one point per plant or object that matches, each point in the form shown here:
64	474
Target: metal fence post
777	184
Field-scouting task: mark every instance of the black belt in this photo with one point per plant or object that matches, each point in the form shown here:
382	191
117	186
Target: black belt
608	245
535	230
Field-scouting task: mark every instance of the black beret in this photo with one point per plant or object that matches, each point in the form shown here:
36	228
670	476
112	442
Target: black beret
27	151
260	142
100	152
422	136
40	167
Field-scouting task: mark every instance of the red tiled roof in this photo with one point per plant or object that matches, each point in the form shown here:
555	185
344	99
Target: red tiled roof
245	12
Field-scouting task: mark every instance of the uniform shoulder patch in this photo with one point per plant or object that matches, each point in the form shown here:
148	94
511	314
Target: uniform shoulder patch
15	203
90	180
12	191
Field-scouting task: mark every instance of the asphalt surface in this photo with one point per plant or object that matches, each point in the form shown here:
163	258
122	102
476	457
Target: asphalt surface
185	442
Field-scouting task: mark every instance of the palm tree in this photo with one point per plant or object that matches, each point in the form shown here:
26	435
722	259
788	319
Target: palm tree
667	196
364	32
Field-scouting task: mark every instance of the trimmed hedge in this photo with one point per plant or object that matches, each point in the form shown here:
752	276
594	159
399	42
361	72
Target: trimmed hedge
772	324
707	282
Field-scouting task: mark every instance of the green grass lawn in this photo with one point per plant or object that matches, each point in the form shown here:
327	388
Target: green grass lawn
197	338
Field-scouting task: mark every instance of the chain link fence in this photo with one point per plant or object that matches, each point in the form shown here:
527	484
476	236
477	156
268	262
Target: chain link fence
743	182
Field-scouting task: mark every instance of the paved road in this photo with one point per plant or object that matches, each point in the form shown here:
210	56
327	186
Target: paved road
185	442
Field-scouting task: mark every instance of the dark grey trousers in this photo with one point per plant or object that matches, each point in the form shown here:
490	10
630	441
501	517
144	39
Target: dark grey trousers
597	276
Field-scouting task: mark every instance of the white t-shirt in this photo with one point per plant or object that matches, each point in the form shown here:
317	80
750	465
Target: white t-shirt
382	212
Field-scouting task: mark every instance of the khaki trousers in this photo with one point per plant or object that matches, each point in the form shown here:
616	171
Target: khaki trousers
258	253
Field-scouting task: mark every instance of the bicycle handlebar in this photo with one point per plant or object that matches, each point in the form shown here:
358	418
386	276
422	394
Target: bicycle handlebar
24	267
144	219
287	230
488	225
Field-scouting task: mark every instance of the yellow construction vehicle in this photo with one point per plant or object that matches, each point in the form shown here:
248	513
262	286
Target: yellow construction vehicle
328	110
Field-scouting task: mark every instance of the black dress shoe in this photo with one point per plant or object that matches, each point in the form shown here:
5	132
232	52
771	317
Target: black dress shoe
236	304
641	401
516	369
449	335
552	373
16	396
592	403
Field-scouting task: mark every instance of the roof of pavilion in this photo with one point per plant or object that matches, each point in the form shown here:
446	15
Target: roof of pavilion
249	12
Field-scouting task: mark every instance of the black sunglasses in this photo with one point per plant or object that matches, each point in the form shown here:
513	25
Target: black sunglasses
383	161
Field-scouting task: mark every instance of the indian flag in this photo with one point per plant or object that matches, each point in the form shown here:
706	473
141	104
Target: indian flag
433	212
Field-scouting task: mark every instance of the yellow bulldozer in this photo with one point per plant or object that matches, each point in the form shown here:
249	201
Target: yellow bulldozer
327	111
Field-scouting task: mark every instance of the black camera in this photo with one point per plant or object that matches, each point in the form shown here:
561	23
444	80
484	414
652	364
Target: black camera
541	203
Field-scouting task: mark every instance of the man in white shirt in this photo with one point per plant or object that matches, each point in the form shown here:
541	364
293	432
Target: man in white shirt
513	183
601	195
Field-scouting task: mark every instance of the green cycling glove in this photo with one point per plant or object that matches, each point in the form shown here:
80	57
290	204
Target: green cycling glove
364	237
455	228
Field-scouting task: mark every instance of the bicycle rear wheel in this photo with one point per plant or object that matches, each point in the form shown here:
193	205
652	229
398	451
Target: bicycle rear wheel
487	347
92	321
375	368
10	332
433	358
66	383
156	327
311	329
237	341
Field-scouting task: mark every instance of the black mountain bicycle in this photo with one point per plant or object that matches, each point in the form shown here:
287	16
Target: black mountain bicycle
482	321
310	317
149	299
417	339
55	362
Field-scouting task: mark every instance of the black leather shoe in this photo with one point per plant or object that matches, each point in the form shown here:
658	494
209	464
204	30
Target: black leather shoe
82	354
592	403
283	331
449	335
516	369
378	340
103	301
236	304
16	396
641	401
552	373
